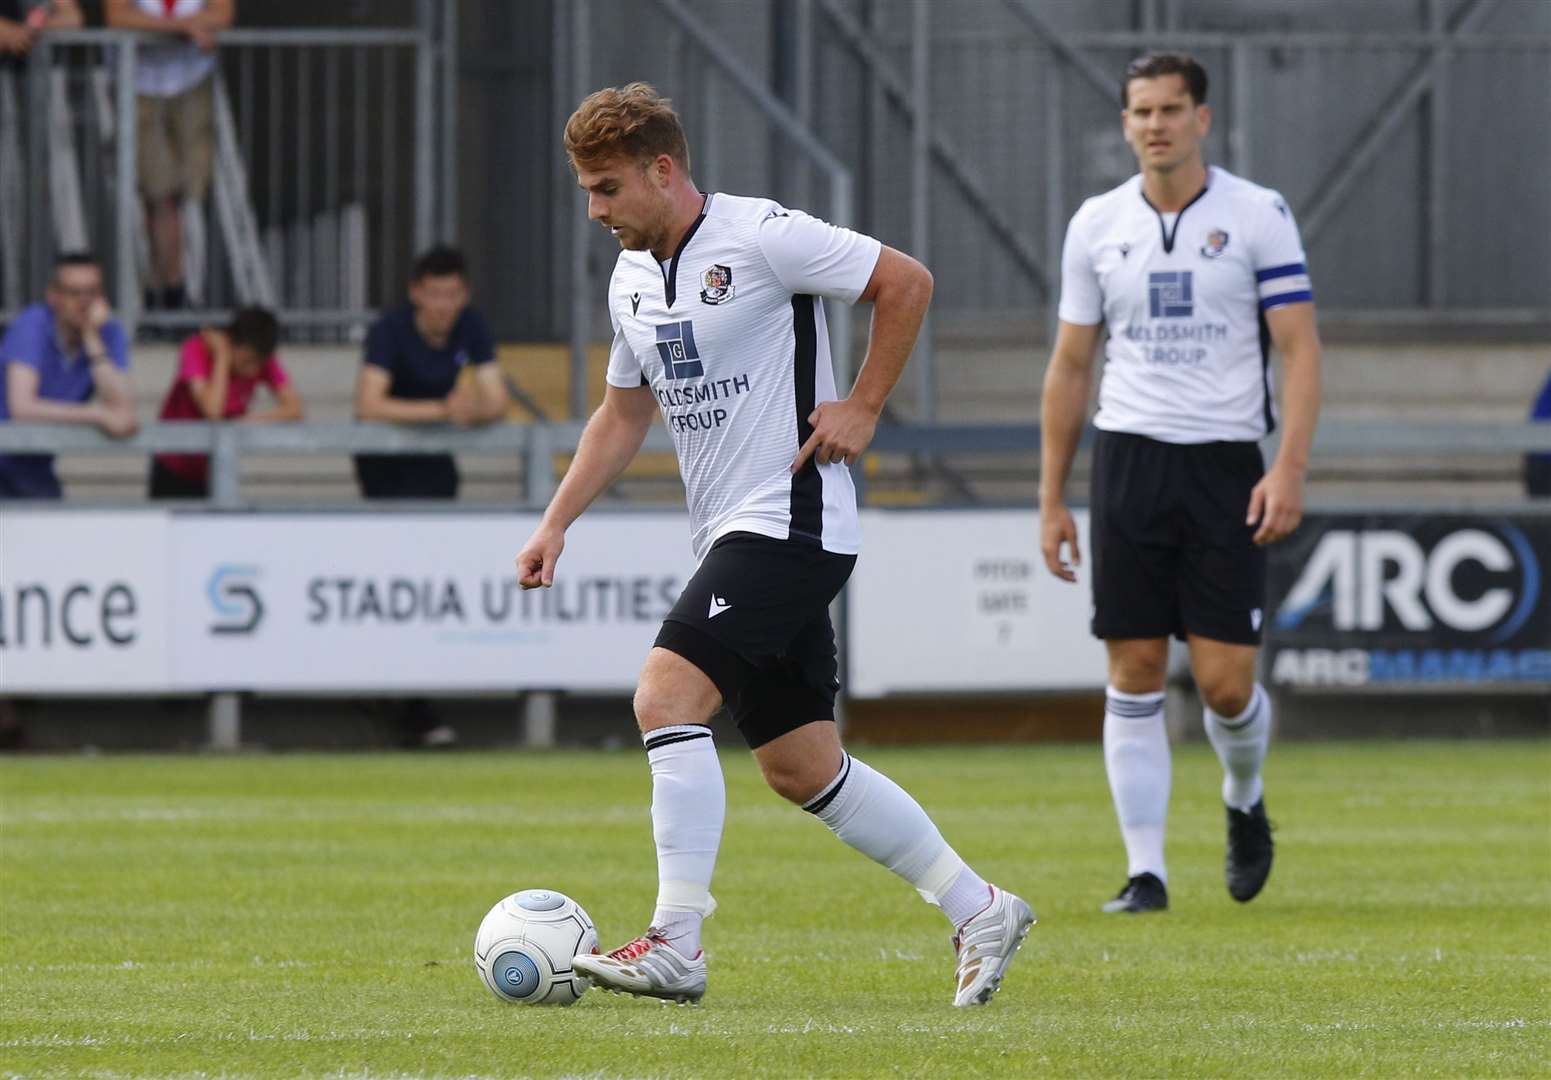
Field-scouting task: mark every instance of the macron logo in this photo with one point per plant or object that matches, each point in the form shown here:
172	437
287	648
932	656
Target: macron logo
1254	619
718	605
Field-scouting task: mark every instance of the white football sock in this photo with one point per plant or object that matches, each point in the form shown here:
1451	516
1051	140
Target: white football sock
968	896
1136	756
878	818
689	804
1241	743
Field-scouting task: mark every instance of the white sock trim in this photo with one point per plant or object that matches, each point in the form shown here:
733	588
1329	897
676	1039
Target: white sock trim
1151	697
1133	706
816	804
688	896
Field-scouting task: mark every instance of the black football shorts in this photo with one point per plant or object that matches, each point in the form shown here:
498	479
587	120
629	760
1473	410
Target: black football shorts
755	618
1171	552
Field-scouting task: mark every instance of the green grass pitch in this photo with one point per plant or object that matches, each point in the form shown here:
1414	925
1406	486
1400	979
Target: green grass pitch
312	915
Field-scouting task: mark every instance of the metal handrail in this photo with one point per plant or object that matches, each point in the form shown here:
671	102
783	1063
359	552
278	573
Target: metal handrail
538	443
1338	436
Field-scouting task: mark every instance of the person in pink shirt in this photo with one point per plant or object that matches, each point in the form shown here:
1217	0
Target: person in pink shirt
218	371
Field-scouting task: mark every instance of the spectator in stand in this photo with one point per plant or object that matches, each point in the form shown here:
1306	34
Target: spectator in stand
65	360
21	21
410	372
218	371
176	136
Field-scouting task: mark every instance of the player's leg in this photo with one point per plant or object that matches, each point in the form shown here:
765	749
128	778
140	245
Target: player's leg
803	762
1137	762
1222	593
1237	715
1135	557
872	814
878	818
673	706
674	701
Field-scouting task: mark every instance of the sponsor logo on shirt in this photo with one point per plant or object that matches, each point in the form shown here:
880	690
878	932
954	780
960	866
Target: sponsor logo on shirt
717	282
676	346
692	406
1169	294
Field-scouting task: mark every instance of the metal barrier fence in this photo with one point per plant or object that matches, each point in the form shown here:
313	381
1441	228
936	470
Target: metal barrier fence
332	168
538	444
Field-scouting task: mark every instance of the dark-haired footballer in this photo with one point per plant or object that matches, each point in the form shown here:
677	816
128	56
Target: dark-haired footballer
1195	273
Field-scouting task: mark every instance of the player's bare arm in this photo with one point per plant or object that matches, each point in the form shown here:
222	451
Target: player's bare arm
899	290
1063	408
611	439
1276	503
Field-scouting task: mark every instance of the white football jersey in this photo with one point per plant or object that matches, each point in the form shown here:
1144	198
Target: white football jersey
730	336
1183	295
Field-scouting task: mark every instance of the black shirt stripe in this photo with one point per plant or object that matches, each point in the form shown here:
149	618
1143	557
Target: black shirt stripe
807	507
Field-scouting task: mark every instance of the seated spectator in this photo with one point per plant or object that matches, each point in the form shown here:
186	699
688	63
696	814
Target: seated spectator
21	21
409	373
218	371
65	360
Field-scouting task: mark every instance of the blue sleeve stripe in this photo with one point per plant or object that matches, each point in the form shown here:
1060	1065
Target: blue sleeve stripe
1279	271
1285	298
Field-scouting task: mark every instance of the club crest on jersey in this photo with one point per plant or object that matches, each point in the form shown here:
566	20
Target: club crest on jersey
717	282
1216	241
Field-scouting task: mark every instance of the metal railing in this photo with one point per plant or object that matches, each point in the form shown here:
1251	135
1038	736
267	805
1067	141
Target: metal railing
326	179
537	445
974	130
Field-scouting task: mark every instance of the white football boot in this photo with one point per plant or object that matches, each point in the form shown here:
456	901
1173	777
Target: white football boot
986	944
647	967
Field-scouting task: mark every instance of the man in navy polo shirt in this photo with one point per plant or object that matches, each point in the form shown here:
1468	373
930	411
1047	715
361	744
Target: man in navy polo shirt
410	372
65	360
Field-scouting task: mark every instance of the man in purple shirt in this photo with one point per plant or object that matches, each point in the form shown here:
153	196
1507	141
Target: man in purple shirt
64	361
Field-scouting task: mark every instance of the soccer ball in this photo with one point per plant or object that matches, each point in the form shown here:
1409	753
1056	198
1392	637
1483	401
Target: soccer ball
524	948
